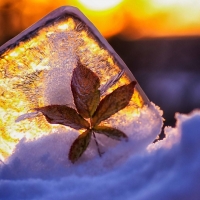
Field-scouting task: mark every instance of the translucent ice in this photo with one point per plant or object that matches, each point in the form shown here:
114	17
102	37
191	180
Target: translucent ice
36	69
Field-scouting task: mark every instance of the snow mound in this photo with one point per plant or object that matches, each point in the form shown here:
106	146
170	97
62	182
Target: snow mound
166	170
47	157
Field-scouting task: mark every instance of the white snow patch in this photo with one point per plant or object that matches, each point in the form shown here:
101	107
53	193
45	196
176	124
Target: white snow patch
166	170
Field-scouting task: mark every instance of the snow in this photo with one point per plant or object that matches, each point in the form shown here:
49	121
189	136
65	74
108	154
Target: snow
46	156
168	169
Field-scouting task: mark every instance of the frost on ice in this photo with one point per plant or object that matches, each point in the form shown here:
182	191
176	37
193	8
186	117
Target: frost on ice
35	71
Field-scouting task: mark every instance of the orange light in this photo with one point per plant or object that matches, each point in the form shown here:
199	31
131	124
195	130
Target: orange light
128	18
100	5
107	16
144	18
165	18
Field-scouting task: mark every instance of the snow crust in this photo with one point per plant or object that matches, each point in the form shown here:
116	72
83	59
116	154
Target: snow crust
168	169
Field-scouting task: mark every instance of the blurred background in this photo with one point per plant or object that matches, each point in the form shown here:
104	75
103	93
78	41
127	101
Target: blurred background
159	40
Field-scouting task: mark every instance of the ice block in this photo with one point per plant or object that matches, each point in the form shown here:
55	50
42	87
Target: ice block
36	70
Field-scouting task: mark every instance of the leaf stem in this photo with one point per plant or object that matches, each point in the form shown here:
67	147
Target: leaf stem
97	144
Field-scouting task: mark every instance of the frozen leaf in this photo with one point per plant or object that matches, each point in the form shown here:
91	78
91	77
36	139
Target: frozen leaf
84	85
113	102
80	145
110	132
61	114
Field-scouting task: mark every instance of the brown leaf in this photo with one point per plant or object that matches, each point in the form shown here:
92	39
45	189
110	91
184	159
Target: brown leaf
84	85
80	145
61	114
113	102
110	132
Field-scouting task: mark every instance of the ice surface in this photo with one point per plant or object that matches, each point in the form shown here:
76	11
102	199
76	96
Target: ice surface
36	69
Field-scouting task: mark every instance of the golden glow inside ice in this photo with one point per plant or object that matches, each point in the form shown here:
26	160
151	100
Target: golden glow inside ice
37	72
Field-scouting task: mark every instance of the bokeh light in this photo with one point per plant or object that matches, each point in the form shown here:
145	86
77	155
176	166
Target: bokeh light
127	18
100	5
